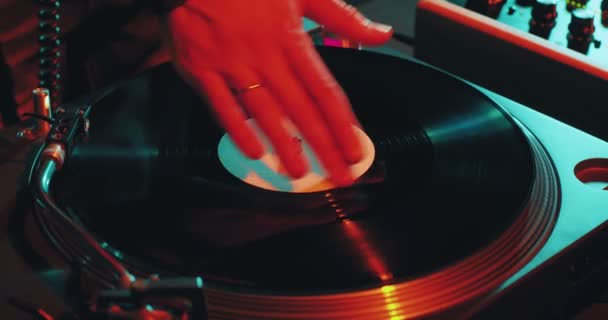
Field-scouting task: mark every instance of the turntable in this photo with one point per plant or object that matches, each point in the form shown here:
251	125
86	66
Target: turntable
468	202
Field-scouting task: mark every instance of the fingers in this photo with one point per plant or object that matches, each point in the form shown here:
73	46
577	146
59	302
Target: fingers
298	105
269	117
327	94
228	112
343	19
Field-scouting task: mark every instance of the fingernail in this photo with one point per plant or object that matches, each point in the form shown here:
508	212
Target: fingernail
254	150
257	152
295	169
302	164
299	169
346	182
381	27
354	156
343	179
354	148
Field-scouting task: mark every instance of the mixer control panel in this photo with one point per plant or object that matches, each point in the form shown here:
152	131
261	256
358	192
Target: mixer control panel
551	55
580	25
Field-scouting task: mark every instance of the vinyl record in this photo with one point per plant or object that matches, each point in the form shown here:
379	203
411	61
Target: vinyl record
452	173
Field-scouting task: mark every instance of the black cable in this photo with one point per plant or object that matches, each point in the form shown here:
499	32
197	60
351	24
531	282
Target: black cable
49	31
407	39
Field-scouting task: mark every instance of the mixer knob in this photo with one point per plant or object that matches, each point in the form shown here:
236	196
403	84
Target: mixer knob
544	13
582	24
604	9
489	8
576	4
545	10
581	30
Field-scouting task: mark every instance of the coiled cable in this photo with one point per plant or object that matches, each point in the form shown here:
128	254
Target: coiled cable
49	40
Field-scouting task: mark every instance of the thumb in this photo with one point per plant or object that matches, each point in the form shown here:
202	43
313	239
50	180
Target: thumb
343	19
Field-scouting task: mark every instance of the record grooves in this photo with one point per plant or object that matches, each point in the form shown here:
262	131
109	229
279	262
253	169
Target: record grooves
471	278
460	196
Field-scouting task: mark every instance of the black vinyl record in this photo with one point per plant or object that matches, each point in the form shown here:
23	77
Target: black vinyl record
452	172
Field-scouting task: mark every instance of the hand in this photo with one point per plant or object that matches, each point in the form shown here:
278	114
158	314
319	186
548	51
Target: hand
223	47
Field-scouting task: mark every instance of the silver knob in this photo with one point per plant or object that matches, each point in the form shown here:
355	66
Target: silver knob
42	108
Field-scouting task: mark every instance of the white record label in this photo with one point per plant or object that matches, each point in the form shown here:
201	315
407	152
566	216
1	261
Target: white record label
268	172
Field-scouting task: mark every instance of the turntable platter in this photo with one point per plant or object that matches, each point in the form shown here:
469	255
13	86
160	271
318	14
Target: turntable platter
453	174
